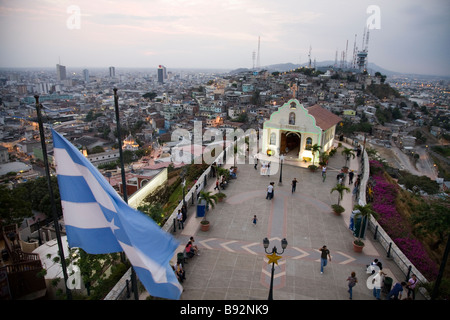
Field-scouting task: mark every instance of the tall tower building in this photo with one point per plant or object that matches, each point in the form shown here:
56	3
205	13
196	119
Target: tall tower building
161	74
112	72
86	75
60	72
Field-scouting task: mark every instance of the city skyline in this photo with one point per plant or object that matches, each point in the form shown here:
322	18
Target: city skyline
405	36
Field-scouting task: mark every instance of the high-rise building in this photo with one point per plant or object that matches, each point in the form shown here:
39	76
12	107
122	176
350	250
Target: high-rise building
161	74
86	75
164	73
60	72
112	72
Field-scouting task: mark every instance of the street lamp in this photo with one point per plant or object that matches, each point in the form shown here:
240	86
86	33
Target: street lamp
273	258
281	169
183	183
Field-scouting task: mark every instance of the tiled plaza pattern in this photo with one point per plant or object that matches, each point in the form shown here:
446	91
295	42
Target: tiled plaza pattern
233	265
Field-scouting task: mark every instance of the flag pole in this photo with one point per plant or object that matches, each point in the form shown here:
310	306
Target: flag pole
52	199
124	182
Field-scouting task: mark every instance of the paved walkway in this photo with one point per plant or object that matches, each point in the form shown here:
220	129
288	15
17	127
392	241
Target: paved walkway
233	265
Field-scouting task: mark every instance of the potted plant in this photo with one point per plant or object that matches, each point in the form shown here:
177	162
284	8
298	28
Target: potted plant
337	209
340	188
221	196
312	167
223	172
210	199
365	212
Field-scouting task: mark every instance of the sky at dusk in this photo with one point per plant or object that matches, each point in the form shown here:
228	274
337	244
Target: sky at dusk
408	36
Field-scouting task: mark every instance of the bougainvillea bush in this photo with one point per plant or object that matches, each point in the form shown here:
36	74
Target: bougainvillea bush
397	227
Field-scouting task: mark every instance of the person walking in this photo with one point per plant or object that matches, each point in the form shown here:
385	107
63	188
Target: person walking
256	162
352	280
324	173
350	177
269	191
411	286
377	281
323	257
217	185
254	220
294	184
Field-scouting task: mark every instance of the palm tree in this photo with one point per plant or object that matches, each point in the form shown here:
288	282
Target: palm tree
324	157
340	188
347	152
371	152
365	212
209	197
314	149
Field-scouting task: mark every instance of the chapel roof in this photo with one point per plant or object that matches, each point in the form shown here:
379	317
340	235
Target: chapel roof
324	118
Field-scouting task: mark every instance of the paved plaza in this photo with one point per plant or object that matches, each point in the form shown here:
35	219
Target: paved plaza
232	264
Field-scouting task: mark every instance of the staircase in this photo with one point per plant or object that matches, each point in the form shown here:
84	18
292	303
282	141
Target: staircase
19	279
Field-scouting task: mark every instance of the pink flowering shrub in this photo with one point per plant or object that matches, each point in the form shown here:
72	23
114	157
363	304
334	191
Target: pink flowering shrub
398	228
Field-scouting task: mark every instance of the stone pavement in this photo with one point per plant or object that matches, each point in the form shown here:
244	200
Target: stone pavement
232	264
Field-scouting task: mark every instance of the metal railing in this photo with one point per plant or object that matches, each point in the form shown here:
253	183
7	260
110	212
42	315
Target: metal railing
392	251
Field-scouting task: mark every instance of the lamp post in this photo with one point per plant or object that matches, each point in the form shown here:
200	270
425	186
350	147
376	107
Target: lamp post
281	169
183	184
273	258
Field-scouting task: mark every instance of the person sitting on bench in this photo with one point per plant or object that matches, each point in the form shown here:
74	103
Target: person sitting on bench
232	173
189	250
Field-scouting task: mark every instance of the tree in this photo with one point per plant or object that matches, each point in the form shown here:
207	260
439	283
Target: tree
347	152
371	153
154	211
314	149
365	212
150	95
433	218
340	188
35	193
96	149
209	197
14	207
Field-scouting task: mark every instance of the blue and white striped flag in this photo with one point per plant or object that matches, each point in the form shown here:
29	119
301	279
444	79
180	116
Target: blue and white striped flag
99	221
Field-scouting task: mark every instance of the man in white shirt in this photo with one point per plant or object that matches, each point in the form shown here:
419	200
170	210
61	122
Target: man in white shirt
377	281
180	220
270	191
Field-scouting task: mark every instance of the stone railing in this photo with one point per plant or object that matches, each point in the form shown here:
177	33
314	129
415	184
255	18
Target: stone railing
120	290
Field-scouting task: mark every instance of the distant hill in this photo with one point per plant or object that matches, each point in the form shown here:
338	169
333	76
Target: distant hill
281	67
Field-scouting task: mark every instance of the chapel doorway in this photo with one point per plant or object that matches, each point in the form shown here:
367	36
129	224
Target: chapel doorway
290	144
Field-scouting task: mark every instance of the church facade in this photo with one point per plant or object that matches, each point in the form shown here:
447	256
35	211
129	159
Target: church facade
292	130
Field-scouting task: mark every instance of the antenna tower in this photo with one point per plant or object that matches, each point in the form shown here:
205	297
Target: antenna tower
258	62
346	50
253	58
309	57
335	59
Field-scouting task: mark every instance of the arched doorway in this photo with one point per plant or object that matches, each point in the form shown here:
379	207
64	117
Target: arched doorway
290	143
